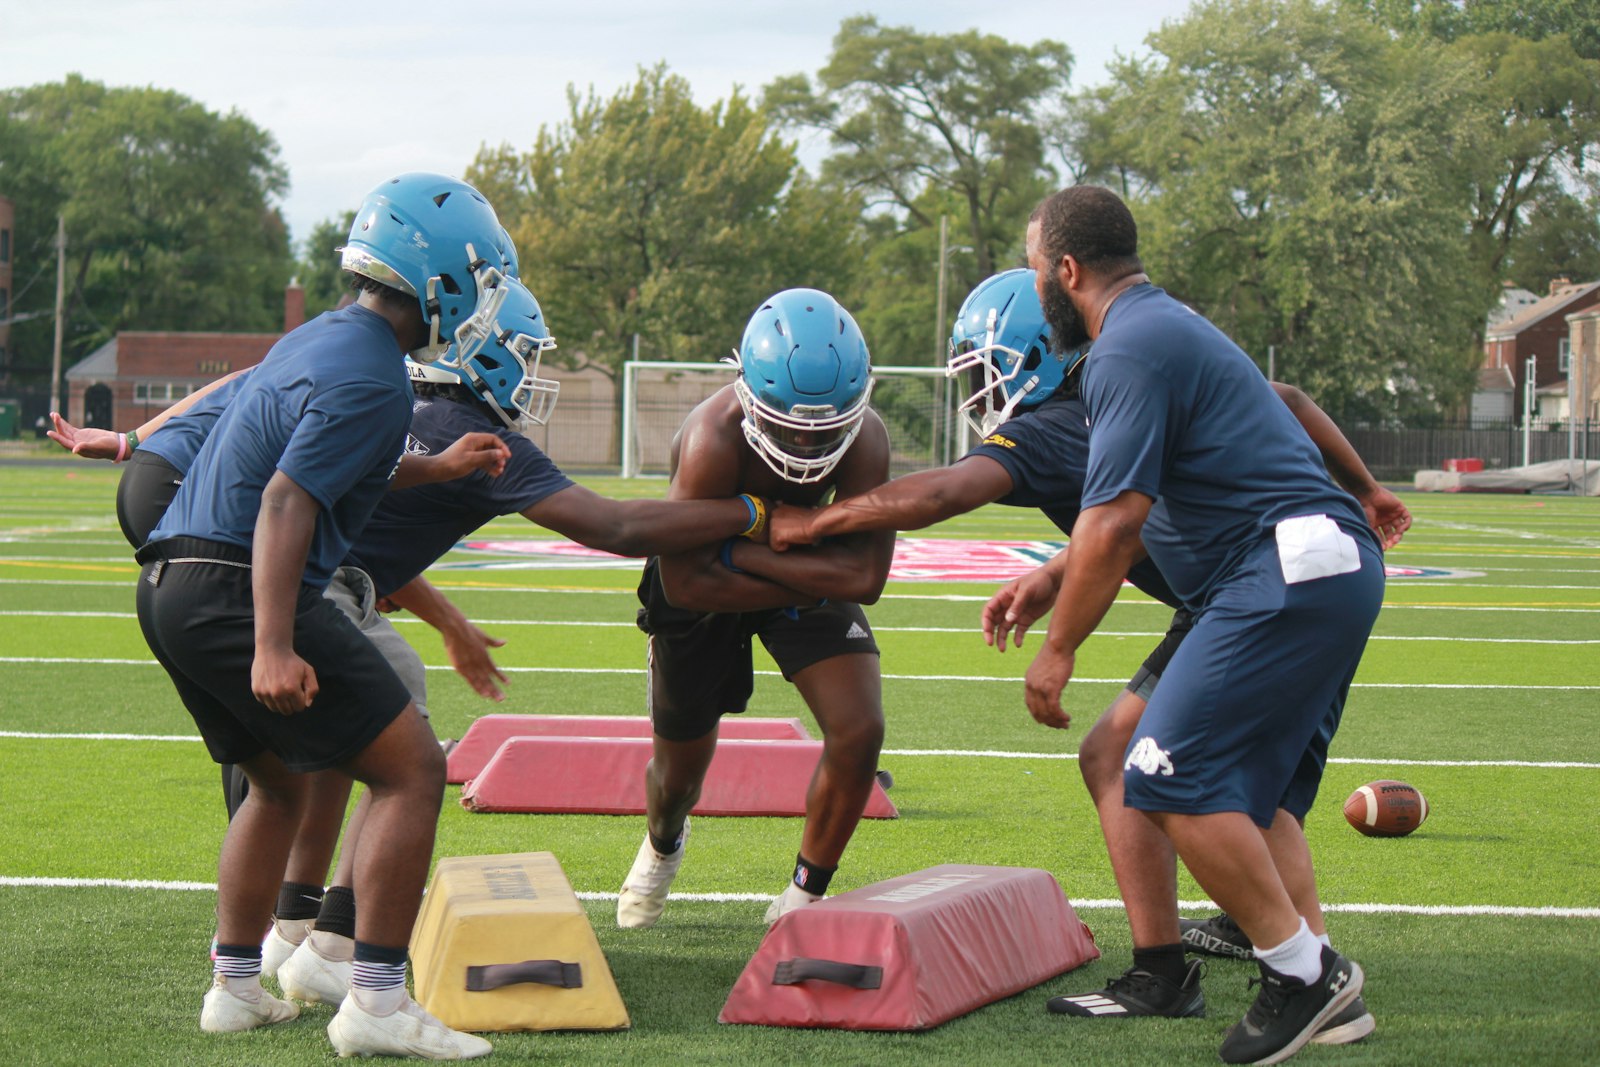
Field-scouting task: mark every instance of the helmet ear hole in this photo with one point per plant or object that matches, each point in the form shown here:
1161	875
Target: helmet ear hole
448	284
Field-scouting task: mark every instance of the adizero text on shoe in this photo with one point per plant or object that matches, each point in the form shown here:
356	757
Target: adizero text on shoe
309	976
1288	1013
225	1011
408	1031
1216	936
1349	1026
643	896
1138	993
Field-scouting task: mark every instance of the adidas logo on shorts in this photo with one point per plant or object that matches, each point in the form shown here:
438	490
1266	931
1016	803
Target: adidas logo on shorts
857	631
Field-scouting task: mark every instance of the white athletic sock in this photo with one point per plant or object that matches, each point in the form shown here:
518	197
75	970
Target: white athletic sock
379	1001
1323	937
1299	957
331	946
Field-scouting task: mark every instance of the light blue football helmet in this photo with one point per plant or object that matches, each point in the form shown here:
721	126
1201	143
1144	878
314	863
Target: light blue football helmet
805	379
1000	348
496	353
424	234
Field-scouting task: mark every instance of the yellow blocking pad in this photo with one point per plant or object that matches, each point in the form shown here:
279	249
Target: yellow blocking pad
514	919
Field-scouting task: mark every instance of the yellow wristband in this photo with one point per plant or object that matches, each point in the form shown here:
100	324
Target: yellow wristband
758	507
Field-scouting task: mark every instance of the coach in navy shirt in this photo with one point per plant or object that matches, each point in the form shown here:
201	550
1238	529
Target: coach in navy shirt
1189	448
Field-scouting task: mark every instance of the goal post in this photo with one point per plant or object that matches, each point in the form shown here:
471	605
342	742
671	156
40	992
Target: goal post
917	404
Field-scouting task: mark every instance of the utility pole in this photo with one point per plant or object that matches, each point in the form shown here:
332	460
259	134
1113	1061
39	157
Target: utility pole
1530	377
938	333
61	287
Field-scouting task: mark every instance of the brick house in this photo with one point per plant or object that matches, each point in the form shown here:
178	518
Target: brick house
1540	331
137	374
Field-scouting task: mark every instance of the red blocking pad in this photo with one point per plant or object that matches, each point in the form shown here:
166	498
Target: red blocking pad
485	736
605	776
912	952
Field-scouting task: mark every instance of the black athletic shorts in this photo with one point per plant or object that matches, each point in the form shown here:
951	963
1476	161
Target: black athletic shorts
198	619
1144	680
147	486
700	662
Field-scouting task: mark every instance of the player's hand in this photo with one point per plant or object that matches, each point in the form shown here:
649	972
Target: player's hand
282	681
384	606
1018	605
787	526
468	648
84	440
1047	677
1387	516
475	452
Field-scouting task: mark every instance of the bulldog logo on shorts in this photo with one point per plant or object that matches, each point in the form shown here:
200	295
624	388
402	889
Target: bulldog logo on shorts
1149	757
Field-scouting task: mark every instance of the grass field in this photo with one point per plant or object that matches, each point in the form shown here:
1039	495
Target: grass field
1480	933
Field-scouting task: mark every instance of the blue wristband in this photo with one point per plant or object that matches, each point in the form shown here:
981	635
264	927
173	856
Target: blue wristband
727	555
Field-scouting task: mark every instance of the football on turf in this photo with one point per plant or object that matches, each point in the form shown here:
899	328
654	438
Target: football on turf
1386	809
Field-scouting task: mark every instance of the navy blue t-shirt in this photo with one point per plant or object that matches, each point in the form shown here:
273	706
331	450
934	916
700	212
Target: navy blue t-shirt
179	439
1179	413
413	527
1046	452
329	407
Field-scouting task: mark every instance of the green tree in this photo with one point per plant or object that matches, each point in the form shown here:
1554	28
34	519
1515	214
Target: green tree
1449	20
1561	239
1292	170
647	214
925	125
169	213
318	267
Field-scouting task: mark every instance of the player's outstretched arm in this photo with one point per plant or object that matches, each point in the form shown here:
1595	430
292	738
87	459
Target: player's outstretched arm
1388	517
471	452
92	443
466	645
909	503
852	567
280	679
640	527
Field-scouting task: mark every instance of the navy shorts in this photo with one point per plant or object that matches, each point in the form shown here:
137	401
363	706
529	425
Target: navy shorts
1252	697
1143	682
199	621
700	665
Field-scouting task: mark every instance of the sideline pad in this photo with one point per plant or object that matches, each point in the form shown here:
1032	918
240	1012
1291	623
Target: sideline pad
485	736
502	943
911	952
605	776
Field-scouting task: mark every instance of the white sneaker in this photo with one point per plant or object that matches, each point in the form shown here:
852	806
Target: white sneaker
275	948
408	1031
244	1005
309	976
643	896
791	898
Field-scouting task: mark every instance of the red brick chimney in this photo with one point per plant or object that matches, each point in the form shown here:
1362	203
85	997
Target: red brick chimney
1558	284
294	305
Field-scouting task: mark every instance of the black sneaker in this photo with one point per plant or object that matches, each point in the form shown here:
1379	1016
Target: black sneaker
1347	1027
1288	1013
1216	936
1138	993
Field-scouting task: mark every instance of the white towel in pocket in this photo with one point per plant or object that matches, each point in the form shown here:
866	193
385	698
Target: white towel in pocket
1312	547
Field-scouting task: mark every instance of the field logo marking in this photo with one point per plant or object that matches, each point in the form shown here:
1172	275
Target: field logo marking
916	559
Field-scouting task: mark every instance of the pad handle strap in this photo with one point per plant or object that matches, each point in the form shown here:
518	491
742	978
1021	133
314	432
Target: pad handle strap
800	969
540	972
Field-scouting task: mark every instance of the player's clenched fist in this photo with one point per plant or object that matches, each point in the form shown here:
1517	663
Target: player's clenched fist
282	681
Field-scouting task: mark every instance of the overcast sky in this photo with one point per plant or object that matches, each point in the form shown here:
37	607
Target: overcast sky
357	92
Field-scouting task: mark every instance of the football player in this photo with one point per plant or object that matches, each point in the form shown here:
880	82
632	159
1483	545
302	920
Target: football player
1034	450
794	426
487	385
275	676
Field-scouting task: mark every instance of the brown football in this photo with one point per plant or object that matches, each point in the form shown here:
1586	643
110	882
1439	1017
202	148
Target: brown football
1386	809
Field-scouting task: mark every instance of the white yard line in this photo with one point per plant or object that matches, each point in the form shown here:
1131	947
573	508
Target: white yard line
1433	910
968	753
